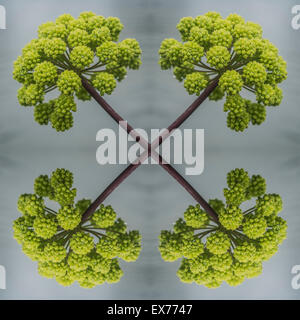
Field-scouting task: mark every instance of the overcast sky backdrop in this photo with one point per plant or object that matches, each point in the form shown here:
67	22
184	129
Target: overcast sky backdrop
150	98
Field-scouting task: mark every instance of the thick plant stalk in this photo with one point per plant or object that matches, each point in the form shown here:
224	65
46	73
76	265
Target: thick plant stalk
186	114
129	129
130	169
93	207
196	195
150	149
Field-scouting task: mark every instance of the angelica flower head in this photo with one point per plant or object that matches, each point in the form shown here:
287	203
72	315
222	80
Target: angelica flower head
233	248
65	52
66	246
234	53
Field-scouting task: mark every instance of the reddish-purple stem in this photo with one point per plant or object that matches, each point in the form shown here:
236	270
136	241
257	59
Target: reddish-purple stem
150	149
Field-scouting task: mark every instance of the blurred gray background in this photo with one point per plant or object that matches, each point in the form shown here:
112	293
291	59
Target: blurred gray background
149	200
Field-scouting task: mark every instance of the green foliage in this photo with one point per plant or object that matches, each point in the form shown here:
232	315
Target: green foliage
65	52
105	83
233	51
232	248
69	82
195	217
231	217
218	57
195	82
231	82
104	217
66	246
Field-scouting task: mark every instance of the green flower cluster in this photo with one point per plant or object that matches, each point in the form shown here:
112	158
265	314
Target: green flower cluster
65	52
233	52
66	246
232	248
